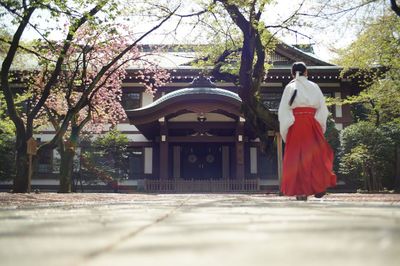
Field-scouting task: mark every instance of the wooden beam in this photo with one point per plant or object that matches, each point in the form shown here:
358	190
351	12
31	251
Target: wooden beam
213	139
280	157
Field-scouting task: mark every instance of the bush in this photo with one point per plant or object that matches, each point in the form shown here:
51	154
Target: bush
7	154
392	131
107	158
332	136
7	146
367	156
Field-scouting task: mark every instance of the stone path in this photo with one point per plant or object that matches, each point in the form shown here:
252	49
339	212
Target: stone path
198	229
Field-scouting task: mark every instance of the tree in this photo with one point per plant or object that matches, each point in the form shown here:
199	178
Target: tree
113	147
88	95
106	159
240	52
333	137
375	56
242	57
22	13
395	7
377	47
392	131
367	155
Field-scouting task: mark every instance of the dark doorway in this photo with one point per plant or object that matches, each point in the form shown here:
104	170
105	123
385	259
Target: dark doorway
201	161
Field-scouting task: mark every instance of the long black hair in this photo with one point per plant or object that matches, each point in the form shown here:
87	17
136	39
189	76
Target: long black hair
301	68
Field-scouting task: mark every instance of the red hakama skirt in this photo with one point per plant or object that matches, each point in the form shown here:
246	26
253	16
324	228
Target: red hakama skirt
308	158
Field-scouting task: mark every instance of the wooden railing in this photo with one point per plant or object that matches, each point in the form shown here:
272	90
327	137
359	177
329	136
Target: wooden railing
196	185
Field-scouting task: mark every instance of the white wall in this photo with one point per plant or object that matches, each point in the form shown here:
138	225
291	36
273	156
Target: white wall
148	160
339	126
253	160
338	108
147	98
131	137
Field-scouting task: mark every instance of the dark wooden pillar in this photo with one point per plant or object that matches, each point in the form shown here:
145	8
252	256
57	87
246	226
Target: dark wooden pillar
163	151
397	180
239	144
279	148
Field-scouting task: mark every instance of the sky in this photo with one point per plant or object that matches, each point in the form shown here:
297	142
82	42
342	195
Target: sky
323	35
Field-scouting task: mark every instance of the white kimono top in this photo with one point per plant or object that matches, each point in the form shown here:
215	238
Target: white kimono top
308	95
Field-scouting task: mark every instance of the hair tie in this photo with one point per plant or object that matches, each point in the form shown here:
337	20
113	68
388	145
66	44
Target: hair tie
297	74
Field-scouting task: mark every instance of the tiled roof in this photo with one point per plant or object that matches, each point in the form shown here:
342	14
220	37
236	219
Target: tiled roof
193	91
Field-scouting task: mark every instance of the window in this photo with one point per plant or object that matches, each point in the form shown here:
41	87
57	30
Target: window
268	161
131	100
328	94
136	163
271	100
45	163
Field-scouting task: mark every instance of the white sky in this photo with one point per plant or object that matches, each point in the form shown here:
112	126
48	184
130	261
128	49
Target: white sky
335	35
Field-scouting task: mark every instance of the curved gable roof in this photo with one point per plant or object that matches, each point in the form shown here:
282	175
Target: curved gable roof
192	93
184	100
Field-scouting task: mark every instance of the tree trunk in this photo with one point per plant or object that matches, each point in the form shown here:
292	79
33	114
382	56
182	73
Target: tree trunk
21	181
66	169
251	73
367	178
67	159
397	177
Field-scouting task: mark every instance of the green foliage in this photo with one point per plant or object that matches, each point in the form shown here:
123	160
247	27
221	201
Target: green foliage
380	101
359	112
113	142
377	47
392	130
107	159
367	156
7	153
332	136
225	37
7	144
368	148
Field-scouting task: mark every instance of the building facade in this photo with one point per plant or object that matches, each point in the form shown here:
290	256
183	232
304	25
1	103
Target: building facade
191	136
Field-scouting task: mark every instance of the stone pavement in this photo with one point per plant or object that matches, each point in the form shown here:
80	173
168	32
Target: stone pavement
198	229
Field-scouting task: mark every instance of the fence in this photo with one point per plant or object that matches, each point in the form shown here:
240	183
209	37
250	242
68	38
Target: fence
196	185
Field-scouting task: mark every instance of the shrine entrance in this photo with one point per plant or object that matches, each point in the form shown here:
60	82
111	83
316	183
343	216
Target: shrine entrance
201	161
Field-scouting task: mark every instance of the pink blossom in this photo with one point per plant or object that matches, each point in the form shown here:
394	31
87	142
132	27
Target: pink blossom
89	52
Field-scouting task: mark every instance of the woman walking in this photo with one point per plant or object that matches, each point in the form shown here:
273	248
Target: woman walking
308	158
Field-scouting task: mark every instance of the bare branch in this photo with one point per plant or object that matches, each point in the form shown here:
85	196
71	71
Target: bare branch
342	11
15	13
5	69
54	9
84	98
216	71
11	10
27	49
197	14
67	43
52	117
289	29
83	123
236	16
119	56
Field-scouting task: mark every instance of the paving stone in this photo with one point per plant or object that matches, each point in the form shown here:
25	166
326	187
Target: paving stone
198	229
